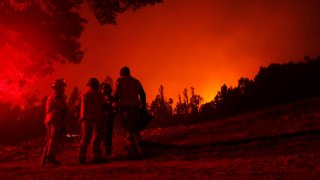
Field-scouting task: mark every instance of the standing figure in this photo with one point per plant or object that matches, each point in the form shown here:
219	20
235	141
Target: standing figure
108	116
56	110
91	121
131	98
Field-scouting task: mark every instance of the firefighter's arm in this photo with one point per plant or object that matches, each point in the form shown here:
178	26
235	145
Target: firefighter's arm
116	91
116	95
82	106
142	95
77	106
51	109
50	105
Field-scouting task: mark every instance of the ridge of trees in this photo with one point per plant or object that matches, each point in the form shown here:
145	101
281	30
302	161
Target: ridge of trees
275	84
187	107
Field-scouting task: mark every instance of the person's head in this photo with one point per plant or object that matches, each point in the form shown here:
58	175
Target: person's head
93	83
106	88
59	86
125	71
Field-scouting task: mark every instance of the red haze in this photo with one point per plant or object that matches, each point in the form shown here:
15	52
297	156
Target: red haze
195	43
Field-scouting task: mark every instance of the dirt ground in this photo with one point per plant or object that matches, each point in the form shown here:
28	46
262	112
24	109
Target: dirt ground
278	143
293	158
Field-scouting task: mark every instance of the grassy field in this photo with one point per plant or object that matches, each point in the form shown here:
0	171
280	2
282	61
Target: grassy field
277	143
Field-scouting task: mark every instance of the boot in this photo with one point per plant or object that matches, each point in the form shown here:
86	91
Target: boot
82	155
53	161
82	160
98	160
44	160
108	151
44	157
132	153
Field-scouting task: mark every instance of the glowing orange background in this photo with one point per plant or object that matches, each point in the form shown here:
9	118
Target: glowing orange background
203	43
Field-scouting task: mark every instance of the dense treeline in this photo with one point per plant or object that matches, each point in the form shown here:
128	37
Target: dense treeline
20	123
186	109
275	84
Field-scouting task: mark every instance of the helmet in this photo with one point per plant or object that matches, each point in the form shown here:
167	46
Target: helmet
105	85
59	83
94	83
125	71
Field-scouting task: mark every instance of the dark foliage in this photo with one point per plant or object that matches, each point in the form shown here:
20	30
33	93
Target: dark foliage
35	34
275	84
106	11
50	30
186	110
18	125
21	123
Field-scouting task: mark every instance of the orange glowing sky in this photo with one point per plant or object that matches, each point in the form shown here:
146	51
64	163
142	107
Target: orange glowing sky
203	43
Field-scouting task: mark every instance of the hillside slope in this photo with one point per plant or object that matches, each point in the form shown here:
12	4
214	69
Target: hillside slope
280	142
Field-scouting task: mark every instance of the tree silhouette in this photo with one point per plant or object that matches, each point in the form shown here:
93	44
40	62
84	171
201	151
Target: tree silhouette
36	34
106	11
161	108
170	107
275	84
195	102
179	108
34	37
188	108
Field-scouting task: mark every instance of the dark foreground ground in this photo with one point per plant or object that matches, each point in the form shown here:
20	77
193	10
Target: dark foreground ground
277	143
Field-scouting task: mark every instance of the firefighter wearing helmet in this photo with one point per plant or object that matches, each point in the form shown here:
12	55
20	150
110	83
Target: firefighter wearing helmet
91	121
131	98
56	110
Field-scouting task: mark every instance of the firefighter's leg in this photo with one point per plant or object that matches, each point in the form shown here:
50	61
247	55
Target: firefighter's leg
97	138
86	135
138	140
124	119
52	143
52	146
108	136
133	119
44	156
131	144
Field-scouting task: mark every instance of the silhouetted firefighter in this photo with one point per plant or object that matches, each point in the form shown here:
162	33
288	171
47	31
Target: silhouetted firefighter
108	116
91	121
56	110
131	98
